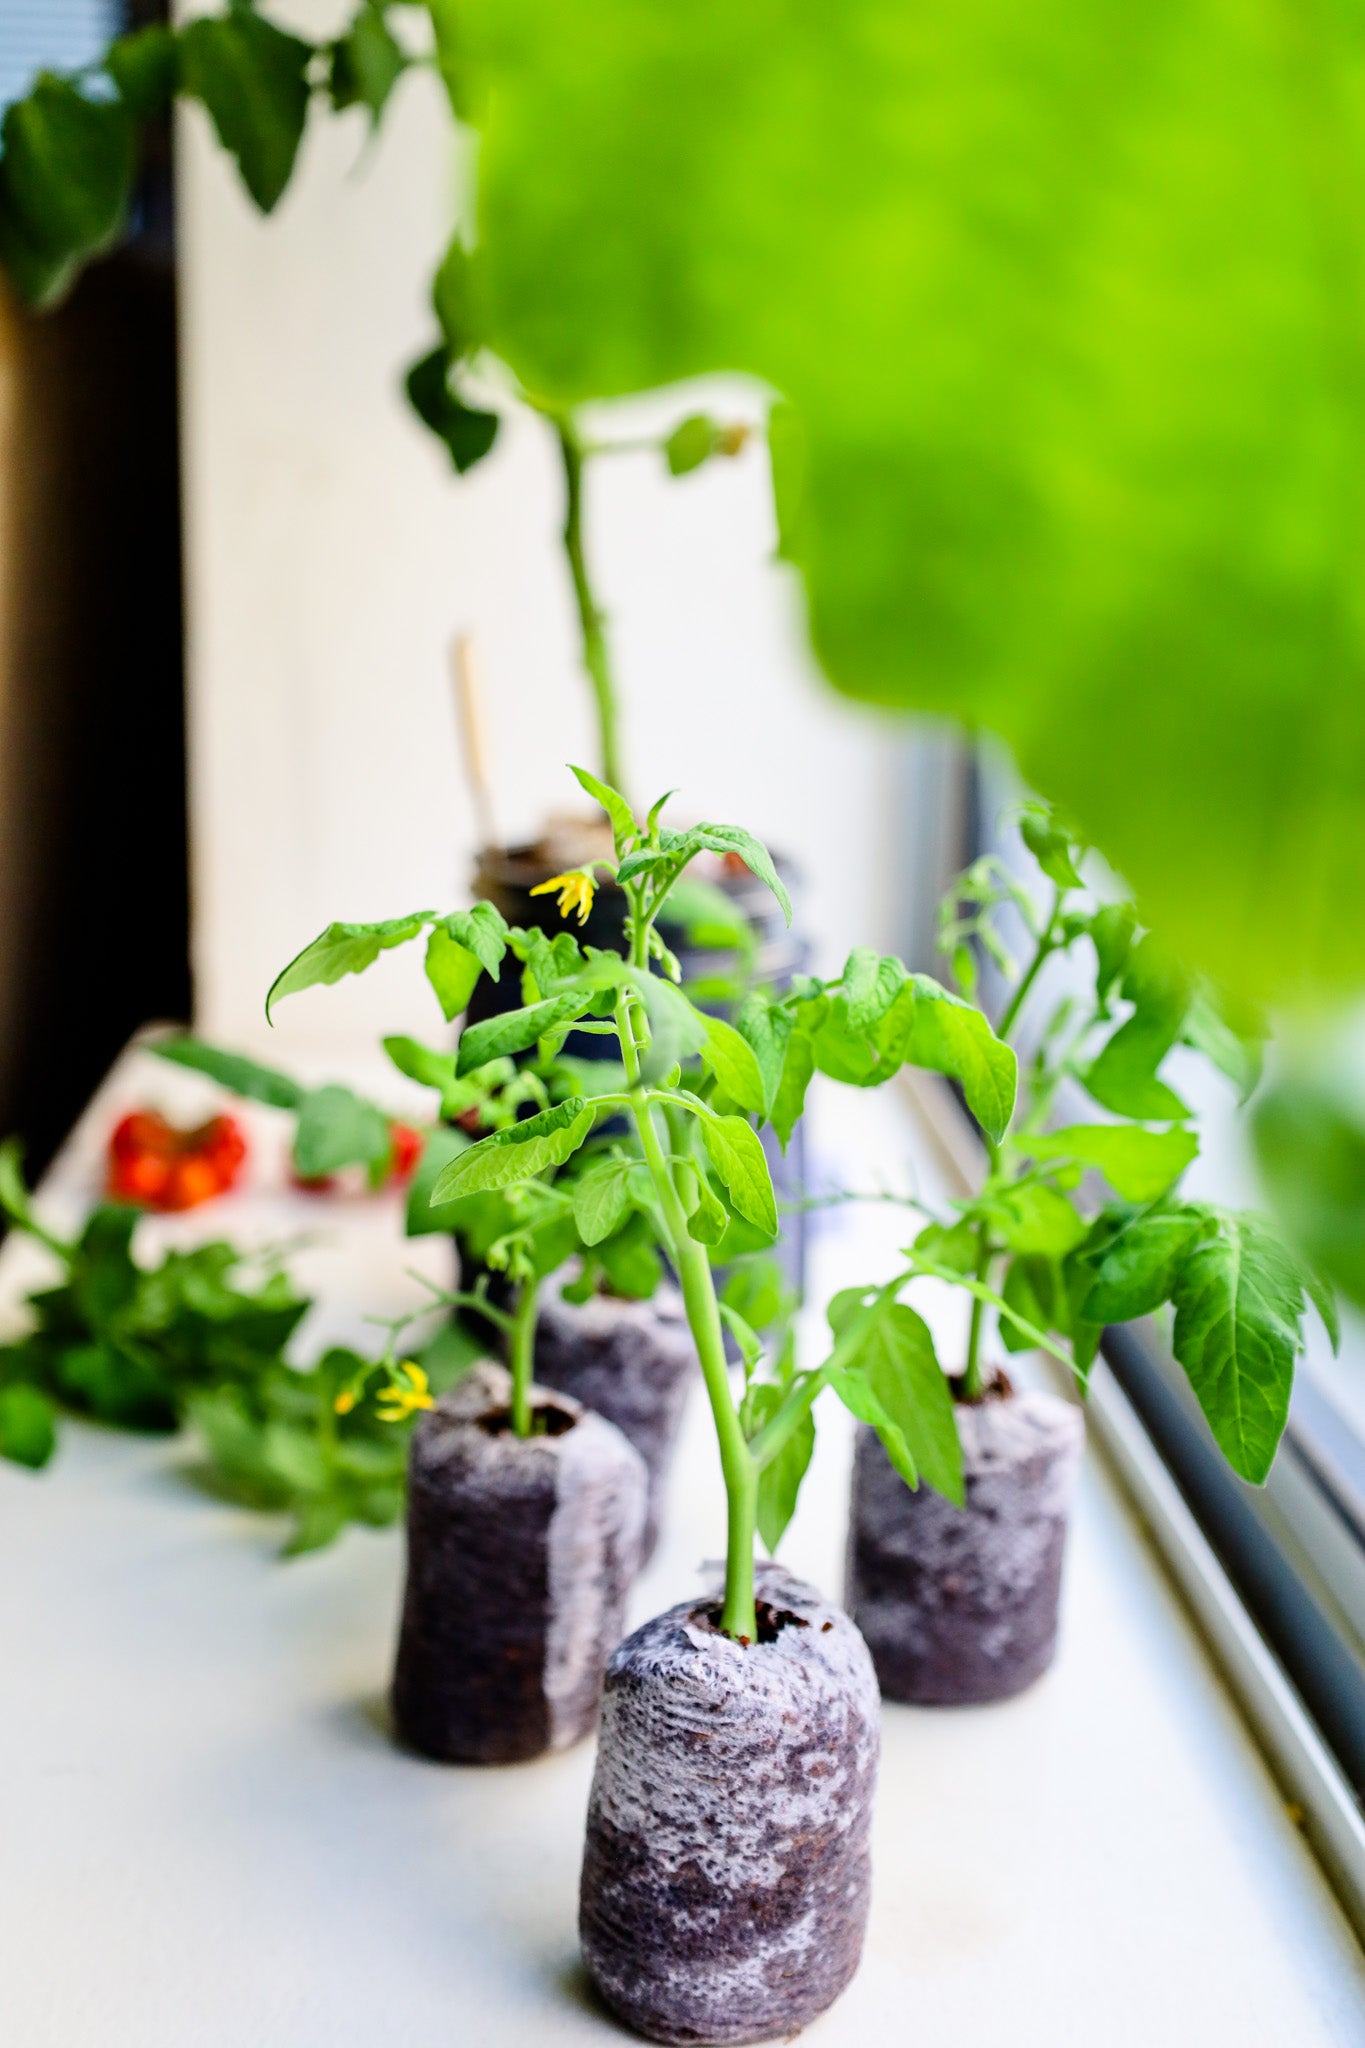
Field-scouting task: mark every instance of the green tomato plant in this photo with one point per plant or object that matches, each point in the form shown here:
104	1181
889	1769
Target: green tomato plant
68	172
1081	1224
696	1091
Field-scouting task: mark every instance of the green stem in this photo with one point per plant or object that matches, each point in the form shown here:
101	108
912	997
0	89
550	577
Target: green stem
595	656
693	1268
521	1355
1042	952
971	1378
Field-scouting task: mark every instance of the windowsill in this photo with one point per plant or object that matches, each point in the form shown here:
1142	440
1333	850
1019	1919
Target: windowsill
208	1837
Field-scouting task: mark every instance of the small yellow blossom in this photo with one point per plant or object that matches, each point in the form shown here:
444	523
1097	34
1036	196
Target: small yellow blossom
576	892
345	1401
410	1391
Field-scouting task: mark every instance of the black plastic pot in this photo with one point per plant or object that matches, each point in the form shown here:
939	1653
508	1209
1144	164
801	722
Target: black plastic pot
726	1872
629	1360
521	1552
507	877
959	1605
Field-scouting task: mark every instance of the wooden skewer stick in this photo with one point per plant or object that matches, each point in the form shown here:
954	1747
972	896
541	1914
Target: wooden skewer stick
469	710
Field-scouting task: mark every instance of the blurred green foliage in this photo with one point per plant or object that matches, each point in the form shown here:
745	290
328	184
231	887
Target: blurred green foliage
1066	303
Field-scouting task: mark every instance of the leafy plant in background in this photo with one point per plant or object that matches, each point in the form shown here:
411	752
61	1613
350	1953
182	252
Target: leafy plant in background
67	182
1040	1244
697	1167
194	1342
1309	1130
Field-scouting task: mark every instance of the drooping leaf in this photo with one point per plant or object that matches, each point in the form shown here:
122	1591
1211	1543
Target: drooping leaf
66	177
233	1070
734	1150
766	1027
514	1030
459	947
1208	1031
779	1481
708	1219
895	1382
337	1128
145	66
521	1152
1112	930
928	1027
344	949
872	981
602	1199
1138	1164
734	839
454	300
1238	1306
954	1245
1035	1220
798	1067
366	64
253	79
1123	1076
734	1063
1138	1271
467	432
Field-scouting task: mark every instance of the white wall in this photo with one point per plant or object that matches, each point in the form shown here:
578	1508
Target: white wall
332	553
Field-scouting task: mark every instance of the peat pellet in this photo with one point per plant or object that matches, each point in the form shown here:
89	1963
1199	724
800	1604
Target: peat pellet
726	1872
521	1552
631	1361
959	1605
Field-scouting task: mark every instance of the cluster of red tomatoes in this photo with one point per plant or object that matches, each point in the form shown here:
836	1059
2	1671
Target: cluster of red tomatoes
154	1164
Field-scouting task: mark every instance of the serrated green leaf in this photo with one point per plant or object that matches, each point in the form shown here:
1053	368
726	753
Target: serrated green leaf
602	1199
734	1063
1123	1077
928	1027
779	1481
798	1068
707	1219
954	1245
344	949
872	981
460	946
233	1070
253	79
1035	1220
1138	1271
895	1383
521	1152
734	839
734	1150
1138	1164
1238	1305
622	818
512	1031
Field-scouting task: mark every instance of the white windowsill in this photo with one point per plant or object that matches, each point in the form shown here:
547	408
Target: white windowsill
206	1841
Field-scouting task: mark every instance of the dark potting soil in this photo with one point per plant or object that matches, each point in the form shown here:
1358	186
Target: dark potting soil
632	1361
726	1872
521	1552
959	1605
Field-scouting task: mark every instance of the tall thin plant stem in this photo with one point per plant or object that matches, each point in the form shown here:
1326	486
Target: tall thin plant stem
521	1355
596	658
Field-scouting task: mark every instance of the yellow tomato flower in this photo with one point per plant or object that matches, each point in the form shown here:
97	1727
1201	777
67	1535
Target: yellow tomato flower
576	892
345	1401
410	1391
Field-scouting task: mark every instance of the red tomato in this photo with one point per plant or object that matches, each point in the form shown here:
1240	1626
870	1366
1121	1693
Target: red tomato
158	1166
407	1150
